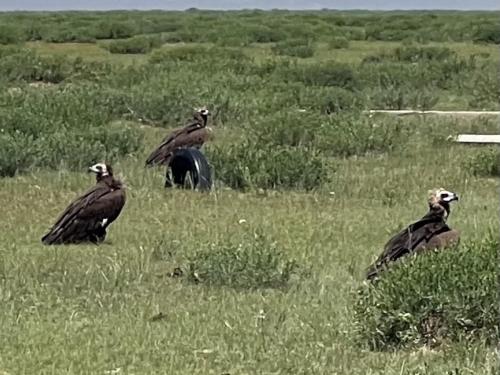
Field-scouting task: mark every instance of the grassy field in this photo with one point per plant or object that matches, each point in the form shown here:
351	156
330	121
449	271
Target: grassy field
91	309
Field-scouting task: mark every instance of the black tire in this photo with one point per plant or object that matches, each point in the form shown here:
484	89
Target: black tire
192	161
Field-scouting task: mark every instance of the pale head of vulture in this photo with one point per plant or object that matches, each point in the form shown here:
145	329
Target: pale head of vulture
101	170
202	114
443	198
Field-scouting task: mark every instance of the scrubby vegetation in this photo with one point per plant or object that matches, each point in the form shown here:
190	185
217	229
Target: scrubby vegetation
484	163
241	28
254	263
261	165
264	96
59	127
295	157
434	298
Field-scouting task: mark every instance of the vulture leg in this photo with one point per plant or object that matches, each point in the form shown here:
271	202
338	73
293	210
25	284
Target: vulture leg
188	181
168	178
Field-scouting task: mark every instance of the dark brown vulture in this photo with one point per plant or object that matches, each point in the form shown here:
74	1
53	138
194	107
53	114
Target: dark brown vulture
87	217
195	134
430	232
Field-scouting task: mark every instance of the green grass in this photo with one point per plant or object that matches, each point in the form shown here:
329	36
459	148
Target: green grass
87	51
86	309
96	309
356	51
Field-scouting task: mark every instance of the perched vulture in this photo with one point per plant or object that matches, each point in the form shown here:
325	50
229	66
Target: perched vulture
430	232
87	217
195	134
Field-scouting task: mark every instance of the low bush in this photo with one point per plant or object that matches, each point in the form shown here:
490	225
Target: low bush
353	133
9	34
264	34
115	30
260	165
414	54
66	126
192	53
487	34
338	43
341	134
324	74
294	48
425	300
395	96
25	65
484	163
254	263
482	87
134	45
329	100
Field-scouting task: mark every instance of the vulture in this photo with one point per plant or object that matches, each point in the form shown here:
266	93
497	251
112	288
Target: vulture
195	134
430	232
87	217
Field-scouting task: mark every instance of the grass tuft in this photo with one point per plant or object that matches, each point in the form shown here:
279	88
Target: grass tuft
432	298
254	263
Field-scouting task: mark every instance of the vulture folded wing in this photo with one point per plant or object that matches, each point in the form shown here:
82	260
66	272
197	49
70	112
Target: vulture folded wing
408	240
68	222
188	136
107	206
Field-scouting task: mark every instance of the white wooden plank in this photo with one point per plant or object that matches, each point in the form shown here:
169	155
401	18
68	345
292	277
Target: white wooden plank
478	138
449	113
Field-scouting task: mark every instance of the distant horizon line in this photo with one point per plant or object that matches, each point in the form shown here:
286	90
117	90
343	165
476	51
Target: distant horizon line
247	9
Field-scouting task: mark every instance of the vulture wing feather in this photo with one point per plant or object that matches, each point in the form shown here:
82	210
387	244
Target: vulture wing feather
65	224
191	135
409	239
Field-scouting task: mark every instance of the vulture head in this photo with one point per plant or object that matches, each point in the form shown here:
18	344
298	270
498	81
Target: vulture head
202	113
101	170
442	198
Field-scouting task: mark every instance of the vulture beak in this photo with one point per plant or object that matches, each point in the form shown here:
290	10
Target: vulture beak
452	197
92	169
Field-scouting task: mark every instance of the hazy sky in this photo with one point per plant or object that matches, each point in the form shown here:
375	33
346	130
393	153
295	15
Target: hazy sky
239	4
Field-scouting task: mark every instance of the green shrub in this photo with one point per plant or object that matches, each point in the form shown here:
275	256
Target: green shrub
134	45
254	263
414	54
484	163
324	74
338	43
260	165
115	30
353	133
70	34
342	134
182	53
487	34
9	34
264	34
16	153
25	65
60	126
328	100
449	295
404	97
294	48
482	87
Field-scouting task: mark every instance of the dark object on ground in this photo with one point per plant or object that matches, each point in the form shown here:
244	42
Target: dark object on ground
87	217
189	169
177	272
430	232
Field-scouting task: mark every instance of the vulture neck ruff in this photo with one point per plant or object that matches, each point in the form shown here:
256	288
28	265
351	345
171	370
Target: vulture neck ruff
109	181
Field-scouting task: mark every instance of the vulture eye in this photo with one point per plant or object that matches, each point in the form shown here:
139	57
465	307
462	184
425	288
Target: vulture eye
444	195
